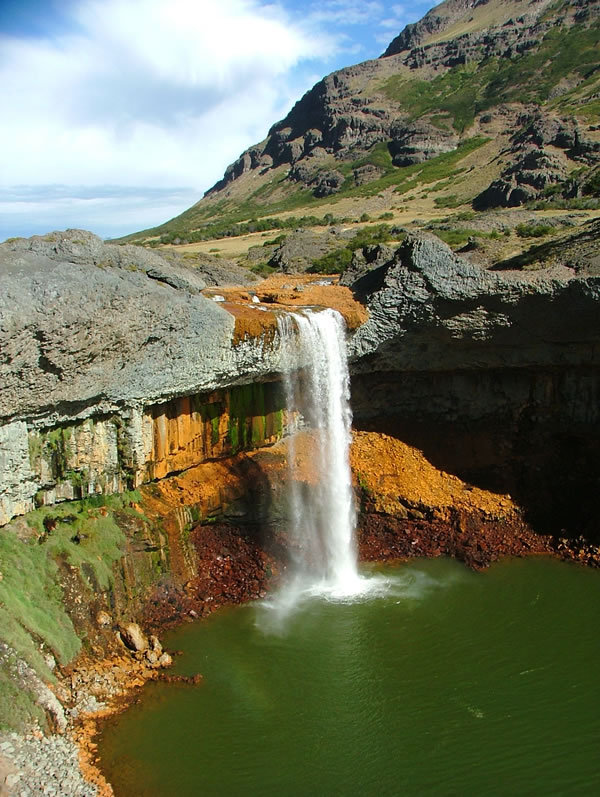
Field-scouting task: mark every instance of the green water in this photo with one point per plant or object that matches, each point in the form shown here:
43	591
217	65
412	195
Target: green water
454	683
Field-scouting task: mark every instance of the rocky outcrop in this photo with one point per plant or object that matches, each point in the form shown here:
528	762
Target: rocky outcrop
323	181
212	269
538	162
434	22
494	375
418	142
88	325
327	120
299	250
431	310
578	251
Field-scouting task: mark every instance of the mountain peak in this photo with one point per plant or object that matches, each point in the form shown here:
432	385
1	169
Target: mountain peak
454	18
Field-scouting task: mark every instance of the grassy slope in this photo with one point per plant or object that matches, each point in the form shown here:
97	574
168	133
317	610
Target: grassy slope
78	537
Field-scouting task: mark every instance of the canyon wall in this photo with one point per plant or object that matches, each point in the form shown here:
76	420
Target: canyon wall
495	376
119	372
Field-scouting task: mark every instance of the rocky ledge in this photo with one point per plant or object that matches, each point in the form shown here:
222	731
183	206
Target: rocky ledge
430	309
100	344
493	374
90	327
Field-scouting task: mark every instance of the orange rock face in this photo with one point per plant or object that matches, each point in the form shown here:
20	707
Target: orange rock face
190	430
397	476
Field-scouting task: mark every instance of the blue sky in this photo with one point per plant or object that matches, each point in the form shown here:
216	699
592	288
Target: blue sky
119	114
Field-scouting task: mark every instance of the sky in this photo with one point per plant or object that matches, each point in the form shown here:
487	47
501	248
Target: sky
117	115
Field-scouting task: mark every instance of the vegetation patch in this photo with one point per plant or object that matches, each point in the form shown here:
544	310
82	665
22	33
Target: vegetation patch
450	201
533	230
333	262
378	156
338	260
17	706
592	184
407	178
456	92
81	534
460	236
467	90
229	226
263	269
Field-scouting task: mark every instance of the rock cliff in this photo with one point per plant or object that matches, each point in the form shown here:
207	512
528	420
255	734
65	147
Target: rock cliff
431	310
103	347
494	375
119	371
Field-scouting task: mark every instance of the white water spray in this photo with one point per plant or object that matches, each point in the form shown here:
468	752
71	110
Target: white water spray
323	516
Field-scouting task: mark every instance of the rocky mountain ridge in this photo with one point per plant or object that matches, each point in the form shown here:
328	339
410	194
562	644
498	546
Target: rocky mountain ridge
522	75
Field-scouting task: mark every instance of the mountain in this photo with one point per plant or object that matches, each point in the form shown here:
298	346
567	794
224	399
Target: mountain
485	104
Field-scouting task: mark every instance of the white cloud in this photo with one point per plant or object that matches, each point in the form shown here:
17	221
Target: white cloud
149	92
399	15
390	22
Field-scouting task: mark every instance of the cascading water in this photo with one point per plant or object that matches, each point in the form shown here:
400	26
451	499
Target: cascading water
323	516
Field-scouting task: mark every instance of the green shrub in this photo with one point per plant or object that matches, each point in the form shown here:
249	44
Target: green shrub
592	186
336	261
275	241
369	235
31	600
263	269
451	201
465	215
564	204
533	230
460	235
333	262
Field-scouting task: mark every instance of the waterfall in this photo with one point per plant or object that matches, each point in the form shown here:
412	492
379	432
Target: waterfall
323	517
